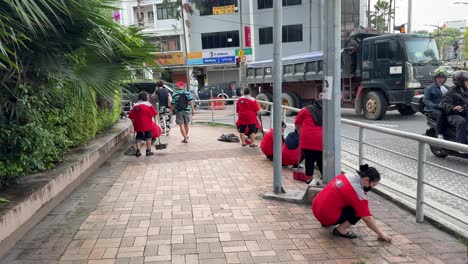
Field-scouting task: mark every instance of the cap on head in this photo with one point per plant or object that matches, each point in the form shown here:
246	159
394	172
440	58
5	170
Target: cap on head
181	85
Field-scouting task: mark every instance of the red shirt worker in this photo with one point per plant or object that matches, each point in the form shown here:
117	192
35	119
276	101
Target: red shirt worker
142	114
248	111
344	202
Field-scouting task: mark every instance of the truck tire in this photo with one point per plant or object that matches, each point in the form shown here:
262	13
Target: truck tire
264	108
375	105
297	100
291	100
406	110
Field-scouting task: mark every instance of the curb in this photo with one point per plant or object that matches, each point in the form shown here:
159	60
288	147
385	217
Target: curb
44	191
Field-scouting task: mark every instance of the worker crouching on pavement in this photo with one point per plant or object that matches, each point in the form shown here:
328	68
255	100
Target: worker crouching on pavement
344	202
266	145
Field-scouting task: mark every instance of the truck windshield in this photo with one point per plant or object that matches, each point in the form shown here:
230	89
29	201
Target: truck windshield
421	50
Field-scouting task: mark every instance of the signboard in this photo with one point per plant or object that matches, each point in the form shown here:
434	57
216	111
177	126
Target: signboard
247	56
211	57
248	37
221	10
167	59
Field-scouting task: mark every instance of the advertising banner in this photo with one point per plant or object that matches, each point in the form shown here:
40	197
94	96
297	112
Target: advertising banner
168	59
221	10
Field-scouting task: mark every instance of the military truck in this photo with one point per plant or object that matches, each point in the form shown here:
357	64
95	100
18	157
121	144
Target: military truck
380	72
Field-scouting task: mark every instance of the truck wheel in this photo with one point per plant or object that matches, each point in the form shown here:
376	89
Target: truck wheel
406	110
264	108
297	100
291	100
375	106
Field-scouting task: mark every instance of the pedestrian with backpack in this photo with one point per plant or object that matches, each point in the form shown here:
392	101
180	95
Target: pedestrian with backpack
182	104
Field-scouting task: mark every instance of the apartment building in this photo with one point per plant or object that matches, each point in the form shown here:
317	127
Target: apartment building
217	30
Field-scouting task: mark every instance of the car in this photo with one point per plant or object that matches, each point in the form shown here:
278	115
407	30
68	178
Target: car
226	90
131	90
449	70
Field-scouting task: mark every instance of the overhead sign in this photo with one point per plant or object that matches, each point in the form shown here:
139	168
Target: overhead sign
248	36
247	54
221	10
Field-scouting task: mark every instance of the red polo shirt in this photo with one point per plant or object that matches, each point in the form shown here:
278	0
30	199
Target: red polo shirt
142	114
247	108
267	143
311	134
289	156
343	190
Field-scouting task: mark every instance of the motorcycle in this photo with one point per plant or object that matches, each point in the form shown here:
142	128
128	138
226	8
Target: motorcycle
417	104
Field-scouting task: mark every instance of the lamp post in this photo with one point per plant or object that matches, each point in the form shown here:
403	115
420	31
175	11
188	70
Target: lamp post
443	44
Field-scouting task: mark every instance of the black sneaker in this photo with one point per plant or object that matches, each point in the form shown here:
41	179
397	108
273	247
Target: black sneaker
138	153
149	153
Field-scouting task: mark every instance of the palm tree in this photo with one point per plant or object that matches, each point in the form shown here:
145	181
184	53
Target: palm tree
74	44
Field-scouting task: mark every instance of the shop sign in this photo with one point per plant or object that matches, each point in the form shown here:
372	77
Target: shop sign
167	59
211	57
222	10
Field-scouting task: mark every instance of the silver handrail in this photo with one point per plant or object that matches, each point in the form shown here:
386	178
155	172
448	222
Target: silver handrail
422	141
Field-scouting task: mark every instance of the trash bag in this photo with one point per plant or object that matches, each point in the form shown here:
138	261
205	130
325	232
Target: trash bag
229	138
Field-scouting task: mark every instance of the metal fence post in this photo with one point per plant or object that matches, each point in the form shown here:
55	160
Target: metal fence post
420	184
361	145
212	106
234	114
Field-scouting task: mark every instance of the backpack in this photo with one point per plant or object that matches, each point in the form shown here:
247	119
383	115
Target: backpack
182	102
292	140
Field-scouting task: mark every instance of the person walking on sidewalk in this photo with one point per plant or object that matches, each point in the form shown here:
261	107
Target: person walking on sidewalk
142	114
164	98
344	202
182	104
309	127
248	113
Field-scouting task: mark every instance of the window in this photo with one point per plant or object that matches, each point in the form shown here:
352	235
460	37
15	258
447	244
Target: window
291	2
263	4
292	33
220	40
151	17
166	43
206	7
266	35
165	11
365	52
382	50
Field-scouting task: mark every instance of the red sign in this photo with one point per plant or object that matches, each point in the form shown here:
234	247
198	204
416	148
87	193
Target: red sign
248	42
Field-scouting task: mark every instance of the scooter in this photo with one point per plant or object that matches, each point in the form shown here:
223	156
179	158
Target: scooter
449	134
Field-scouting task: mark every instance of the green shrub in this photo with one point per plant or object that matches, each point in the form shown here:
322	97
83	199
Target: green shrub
52	125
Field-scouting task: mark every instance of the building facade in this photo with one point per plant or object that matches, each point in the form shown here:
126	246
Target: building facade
462	25
221	33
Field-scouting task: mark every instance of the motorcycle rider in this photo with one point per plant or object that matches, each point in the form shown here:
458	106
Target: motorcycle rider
455	104
432	97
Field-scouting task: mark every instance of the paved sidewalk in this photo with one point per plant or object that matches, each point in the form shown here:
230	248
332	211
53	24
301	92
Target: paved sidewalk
201	203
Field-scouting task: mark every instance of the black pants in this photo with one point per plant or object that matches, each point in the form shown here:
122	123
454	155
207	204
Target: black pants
312	156
459	122
348	214
439	118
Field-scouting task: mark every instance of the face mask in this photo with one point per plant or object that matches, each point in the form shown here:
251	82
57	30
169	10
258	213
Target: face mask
367	189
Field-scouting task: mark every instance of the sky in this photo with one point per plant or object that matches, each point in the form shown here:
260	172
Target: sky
429	12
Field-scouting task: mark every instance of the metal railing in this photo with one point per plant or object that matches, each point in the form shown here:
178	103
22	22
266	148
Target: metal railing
421	140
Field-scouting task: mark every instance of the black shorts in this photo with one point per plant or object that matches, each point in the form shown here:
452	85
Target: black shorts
252	128
147	135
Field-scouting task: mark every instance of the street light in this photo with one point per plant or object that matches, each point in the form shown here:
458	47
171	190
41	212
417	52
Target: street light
460	3
443	44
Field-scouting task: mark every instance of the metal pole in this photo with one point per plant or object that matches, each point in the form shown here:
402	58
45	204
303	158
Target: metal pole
420	184
241	39
331	91
443	45
361	145
277	82
368	14
410	16
185	46
212	106
389	20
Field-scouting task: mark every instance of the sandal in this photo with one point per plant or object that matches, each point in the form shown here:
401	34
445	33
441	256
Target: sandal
244	145
184	141
349	235
253	145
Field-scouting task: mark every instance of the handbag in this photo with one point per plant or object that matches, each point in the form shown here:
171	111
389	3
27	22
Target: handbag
299	173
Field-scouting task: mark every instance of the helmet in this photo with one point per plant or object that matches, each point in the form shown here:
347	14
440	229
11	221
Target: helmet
440	72
459	78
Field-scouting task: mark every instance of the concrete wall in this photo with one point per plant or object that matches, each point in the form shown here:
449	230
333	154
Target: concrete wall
16	221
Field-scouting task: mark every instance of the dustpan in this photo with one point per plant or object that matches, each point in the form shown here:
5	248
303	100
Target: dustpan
160	145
